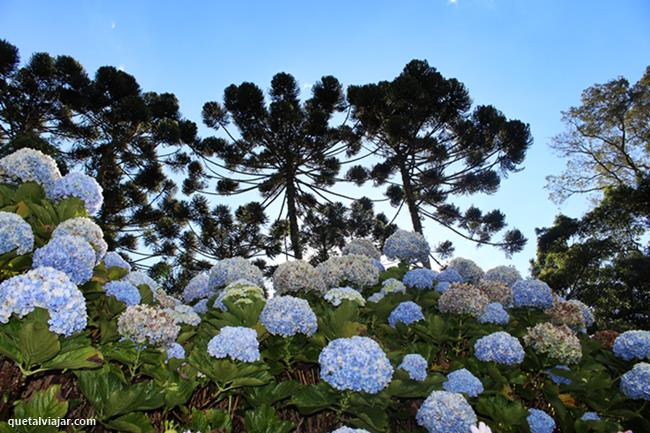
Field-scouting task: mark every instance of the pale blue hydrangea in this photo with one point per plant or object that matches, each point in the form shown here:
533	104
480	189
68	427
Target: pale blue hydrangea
113	259
415	365
198	288
499	347
29	165
420	278
123	291
409	247
339	294
147	325
15	234
87	229
69	254
532	294
468	269
288	316
635	384
201	307
587	312
376	297
228	271
446	412
590	416
632	345
463	381
78	185
507	275
450	276
356	364
494	313
391	285
407	313
182	313
355	271
442	286
361	247
377	264
138	279
237	342
297	276
46	288
346	429
559	380
175	351
540	422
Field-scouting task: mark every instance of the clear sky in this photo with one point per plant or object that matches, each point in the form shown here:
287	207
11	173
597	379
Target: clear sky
529	58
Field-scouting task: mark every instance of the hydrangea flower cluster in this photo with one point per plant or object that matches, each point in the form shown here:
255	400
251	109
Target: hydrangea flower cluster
532	293
197	288
407	313
237	342
499	347
356	271
632	345
164	299
287	316
184	314
15	234
496	292
123	291
113	259
240	292
494	313
86	229
566	313
46	288
29	165
587	312
339	294
78	185
415	365
507	275
138	279
450	276
468	269
201	307
590	416
463	381
69	254
556	341
297	276
420	278
391	285
147	325
409	247
361	247
540	422
635	384
228	271
446	412
377	264
462	299
559	380
356	364
175	351
346	429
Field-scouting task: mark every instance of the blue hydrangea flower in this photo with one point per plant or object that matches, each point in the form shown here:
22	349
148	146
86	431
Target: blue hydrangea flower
15	234
632	345
442	286
494	313
175	351
468	269
559	380
420	278
78	185
201	307
356	364
339	294
415	365
238	342
346	429
87	229
590	416
228	271
446	412
29	165
499	347
507	275
377	264
587	311
409	247
113	259
532	293
197	288
138	279
46	288
123	291
406	312
450	275
635	384
69	254
540	422
287	316
463	381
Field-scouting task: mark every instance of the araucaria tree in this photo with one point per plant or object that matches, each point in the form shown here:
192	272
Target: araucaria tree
432	147
285	148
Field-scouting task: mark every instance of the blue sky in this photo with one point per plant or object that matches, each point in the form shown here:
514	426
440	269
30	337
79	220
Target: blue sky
530	59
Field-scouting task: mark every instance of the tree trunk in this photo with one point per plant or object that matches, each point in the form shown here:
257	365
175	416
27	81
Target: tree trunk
292	213
409	197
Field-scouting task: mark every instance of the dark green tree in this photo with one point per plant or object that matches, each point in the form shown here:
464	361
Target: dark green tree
432	148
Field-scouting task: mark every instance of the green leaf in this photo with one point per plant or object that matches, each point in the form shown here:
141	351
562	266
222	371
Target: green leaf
84	357
263	419
141	396
44	404
135	422
314	398
29	192
35	340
